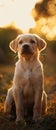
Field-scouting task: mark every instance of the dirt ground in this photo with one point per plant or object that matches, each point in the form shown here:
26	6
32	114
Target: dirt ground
49	120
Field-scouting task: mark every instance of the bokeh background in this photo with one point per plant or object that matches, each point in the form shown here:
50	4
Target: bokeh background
28	16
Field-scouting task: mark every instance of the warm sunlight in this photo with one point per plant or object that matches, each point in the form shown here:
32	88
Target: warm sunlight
17	12
48	28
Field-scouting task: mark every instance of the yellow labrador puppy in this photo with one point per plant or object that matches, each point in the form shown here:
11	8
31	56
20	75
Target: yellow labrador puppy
28	82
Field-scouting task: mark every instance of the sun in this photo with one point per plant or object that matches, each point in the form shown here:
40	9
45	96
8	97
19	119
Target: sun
18	12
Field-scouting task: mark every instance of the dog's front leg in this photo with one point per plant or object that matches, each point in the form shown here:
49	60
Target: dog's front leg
18	98
8	102
37	105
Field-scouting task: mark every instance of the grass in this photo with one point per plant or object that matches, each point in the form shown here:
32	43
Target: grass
49	120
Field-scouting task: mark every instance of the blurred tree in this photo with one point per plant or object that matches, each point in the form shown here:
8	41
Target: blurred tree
44	14
6	35
44	8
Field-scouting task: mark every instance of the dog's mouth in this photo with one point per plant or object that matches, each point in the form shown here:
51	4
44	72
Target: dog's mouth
26	52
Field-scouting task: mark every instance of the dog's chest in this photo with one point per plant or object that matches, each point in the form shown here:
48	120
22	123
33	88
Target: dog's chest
28	75
28	79
27	84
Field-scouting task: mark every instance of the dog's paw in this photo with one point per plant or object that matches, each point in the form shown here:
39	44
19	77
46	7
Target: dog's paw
20	122
37	119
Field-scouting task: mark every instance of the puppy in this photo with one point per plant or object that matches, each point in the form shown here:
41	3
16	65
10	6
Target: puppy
28	82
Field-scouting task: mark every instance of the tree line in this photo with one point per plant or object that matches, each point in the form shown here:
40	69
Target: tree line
6	35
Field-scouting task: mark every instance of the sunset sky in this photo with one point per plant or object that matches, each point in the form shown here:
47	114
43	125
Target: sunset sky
17	12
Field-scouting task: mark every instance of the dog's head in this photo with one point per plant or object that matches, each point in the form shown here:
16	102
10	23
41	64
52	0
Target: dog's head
27	44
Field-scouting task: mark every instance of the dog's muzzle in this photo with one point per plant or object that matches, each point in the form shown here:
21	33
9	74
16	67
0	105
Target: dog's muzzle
26	49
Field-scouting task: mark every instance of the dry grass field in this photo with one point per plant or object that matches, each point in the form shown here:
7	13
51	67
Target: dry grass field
49	120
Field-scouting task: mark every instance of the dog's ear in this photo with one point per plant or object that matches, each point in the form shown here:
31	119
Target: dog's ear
41	44
13	45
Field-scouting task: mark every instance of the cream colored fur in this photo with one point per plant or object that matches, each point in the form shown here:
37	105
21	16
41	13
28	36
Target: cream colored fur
28	82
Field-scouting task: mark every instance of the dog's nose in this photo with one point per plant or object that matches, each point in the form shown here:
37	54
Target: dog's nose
25	46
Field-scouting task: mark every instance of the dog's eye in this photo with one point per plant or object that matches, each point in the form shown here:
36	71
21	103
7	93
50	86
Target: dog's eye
20	42
32	41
